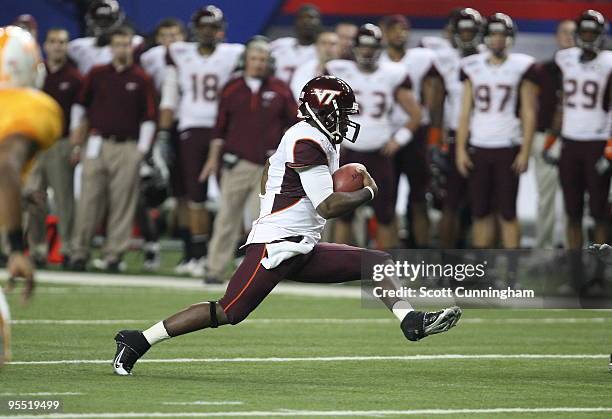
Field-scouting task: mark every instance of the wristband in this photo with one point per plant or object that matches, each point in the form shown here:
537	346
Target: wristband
371	191
15	238
403	136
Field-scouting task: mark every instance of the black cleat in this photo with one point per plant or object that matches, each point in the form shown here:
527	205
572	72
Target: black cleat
131	345
419	324
610	364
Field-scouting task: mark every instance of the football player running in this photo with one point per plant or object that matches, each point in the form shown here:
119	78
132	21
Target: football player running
30	121
496	84
378	85
297	198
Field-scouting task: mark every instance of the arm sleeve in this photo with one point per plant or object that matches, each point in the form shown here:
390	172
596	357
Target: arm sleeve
306	152
220	129
77	112
145	138
85	94
531	74
170	89
317	183
149	111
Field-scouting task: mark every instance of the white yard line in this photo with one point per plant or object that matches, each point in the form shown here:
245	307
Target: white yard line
326	359
324	413
473	320
41	394
100	279
202	403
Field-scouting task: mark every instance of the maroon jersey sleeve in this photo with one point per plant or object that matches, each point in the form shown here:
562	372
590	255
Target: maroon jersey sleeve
85	94
220	129
290	108
531	74
307	152
149	112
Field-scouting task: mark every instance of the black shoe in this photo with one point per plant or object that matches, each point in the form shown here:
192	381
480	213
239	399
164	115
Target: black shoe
610	364
419	324
131	345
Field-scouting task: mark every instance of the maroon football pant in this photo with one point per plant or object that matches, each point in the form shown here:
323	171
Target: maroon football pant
327	263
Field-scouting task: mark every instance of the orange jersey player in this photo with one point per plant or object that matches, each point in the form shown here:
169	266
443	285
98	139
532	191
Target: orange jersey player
30	121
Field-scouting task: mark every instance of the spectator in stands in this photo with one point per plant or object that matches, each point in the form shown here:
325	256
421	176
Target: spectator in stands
547	175
116	109
328	48
346	32
53	168
254	111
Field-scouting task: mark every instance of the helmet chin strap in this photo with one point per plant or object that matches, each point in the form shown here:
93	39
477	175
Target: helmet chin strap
335	136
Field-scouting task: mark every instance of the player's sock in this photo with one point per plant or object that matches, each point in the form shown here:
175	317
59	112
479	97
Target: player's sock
156	333
401	309
185	236
199	245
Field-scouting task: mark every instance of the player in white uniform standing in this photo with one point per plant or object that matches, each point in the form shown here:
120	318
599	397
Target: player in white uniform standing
500	131
153	61
290	53
297	199
586	129
196	74
466	37
377	85
103	16
411	159
328	48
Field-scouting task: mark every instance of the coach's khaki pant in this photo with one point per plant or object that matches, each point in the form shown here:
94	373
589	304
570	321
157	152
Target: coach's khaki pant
239	189
52	169
109	181
547	180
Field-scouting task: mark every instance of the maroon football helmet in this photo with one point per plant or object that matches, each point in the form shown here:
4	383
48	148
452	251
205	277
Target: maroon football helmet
103	16
466	20
206	22
591	31
368	45
328	101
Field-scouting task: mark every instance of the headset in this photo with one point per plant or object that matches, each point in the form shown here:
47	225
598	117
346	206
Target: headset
257	39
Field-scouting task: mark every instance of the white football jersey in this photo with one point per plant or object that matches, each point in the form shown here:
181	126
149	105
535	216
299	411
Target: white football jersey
289	55
303	75
86	54
286	210
448	63
495	89
435	43
375	93
201	79
418	63
153	62
585	88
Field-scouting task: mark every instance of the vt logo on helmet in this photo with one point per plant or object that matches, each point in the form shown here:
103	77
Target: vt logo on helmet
327	102
325	96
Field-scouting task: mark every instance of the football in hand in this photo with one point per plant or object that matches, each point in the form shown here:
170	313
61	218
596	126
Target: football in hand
347	178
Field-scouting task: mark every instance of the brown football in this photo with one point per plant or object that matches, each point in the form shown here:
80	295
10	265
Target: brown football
347	179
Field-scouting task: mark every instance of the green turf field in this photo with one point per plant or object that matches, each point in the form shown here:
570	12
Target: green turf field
324	357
